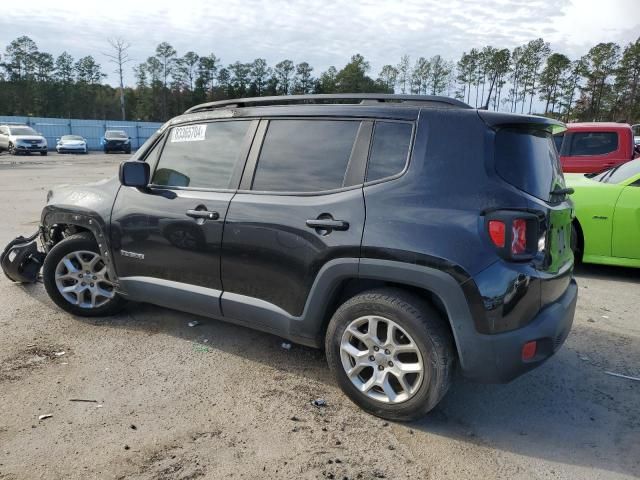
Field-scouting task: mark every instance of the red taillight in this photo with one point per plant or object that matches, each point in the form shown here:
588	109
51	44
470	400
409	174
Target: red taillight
529	350
518	236
496	232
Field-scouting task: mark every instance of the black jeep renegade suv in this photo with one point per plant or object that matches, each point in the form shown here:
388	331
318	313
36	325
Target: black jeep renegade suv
408	236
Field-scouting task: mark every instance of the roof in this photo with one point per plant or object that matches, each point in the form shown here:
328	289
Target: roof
342	98
596	126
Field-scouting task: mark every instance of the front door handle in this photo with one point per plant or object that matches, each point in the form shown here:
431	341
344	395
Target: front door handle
204	214
328	224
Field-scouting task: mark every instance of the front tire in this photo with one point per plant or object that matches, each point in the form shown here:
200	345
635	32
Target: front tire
12	149
43	154
76	278
391	353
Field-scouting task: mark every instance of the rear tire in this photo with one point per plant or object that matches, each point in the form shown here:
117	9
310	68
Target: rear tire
413	364
75	265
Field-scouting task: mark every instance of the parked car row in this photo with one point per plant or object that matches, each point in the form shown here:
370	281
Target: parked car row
22	139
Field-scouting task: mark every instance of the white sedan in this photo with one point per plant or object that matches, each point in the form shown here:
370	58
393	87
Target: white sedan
72	144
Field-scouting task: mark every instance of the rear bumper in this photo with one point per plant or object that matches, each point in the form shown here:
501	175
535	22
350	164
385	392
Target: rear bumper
498	357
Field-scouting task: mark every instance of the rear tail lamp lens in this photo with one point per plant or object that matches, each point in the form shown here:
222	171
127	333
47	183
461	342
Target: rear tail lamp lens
529	350
518	236
496	232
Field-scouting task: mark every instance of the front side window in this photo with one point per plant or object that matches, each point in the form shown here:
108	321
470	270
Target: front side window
305	155
590	143
201	156
389	149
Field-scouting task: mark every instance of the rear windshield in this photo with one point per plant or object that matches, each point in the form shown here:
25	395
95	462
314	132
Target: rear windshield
528	160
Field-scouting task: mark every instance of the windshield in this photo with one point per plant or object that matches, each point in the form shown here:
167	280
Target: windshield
22	131
72	137
620	173
116	134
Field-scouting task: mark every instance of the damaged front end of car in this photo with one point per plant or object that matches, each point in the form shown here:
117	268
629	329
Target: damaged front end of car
21	260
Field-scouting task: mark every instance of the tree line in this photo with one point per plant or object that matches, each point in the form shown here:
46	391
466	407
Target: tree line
603	84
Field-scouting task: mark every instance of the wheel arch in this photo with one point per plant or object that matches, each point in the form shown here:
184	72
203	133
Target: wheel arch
440	289
58	222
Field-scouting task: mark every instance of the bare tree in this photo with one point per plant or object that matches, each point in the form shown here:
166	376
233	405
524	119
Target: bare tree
120	57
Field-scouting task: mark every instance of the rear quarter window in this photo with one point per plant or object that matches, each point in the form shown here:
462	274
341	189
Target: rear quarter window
528	160
389	149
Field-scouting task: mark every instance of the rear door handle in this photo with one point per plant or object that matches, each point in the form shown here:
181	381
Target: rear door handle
328	224
204	214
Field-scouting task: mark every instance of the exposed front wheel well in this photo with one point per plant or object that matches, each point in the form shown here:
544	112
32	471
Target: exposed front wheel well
55	233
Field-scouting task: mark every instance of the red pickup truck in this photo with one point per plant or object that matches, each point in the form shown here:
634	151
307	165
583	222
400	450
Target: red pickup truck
594	147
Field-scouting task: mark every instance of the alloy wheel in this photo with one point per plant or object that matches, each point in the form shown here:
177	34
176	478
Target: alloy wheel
82	279
381	359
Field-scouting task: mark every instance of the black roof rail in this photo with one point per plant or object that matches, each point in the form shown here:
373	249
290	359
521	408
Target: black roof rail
361	98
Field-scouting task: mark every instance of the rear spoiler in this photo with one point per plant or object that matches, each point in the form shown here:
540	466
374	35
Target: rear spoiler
500	119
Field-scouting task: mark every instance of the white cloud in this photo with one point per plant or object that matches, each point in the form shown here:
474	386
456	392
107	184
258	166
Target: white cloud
322	32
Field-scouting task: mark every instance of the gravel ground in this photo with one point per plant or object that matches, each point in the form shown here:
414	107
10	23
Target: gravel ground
222	401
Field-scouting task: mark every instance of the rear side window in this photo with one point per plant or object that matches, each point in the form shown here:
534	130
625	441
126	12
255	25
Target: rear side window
305	155
590	143
201	156
527	159
389	149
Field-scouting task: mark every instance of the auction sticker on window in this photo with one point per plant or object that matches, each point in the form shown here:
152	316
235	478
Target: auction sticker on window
190	133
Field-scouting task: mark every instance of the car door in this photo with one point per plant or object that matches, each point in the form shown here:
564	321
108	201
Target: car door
300	207
166	238
625	240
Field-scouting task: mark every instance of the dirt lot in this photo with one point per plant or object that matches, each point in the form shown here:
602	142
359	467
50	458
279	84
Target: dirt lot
220	401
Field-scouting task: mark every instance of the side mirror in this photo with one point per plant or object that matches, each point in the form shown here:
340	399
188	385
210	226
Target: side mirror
134	173
57	139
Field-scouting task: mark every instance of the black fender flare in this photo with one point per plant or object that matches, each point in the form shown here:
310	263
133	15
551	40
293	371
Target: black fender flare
442	284
86	219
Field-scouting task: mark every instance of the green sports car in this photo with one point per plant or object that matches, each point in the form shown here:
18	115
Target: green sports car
607	224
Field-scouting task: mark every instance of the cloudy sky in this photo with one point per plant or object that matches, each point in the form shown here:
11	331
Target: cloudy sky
322	32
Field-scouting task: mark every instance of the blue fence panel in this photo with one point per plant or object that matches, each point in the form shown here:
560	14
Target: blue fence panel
91	130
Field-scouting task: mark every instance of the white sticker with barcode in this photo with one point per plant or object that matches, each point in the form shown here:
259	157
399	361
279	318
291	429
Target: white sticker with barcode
190	133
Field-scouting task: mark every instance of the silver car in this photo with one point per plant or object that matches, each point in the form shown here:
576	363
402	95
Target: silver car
21	139
71	144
